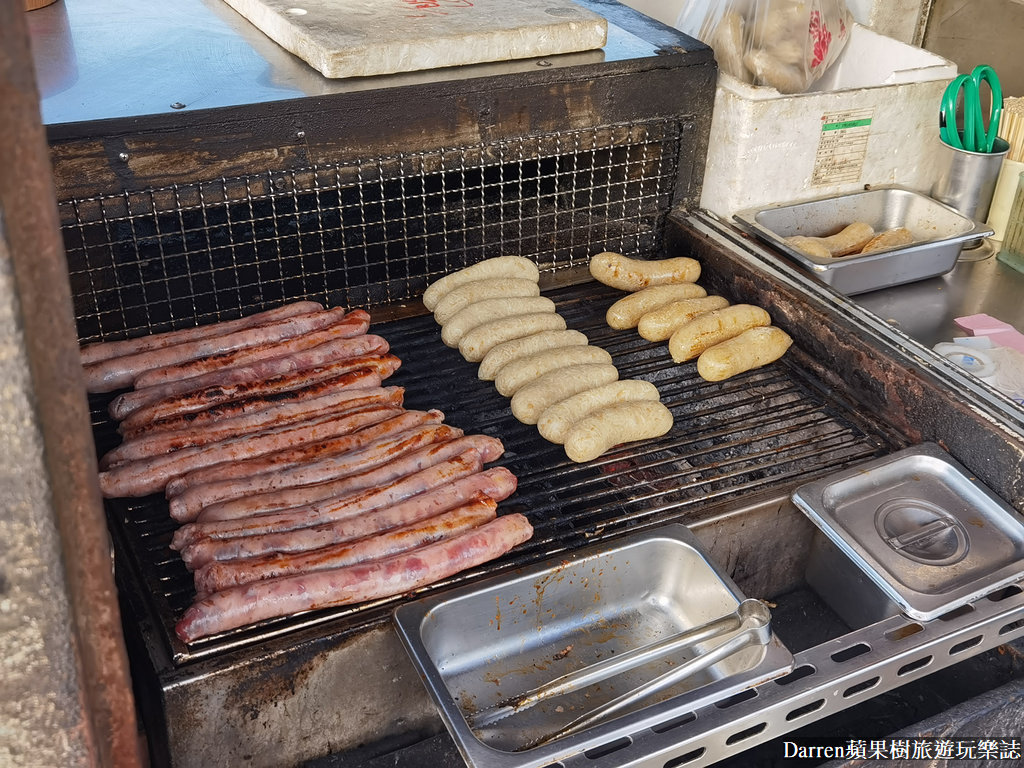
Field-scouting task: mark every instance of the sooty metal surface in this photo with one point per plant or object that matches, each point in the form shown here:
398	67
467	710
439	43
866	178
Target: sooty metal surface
766	428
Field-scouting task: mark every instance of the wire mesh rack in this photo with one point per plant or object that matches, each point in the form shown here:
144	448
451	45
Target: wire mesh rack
369	233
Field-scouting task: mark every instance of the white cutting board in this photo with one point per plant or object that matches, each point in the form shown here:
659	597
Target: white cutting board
352	38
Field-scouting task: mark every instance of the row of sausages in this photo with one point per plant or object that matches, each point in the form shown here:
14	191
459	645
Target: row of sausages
664	303
493	313
298	477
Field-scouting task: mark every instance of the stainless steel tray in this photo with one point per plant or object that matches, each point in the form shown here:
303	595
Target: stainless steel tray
939	235
479	645
930	536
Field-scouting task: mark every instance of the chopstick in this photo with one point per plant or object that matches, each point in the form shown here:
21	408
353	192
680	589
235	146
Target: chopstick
1012	127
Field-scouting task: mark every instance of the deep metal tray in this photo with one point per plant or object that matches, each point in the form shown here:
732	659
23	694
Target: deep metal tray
478	645
930	536
939	235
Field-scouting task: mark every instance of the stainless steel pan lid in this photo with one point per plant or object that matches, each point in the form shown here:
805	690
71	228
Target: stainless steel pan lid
931	536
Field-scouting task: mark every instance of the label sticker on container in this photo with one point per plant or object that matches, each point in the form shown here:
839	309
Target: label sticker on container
842	147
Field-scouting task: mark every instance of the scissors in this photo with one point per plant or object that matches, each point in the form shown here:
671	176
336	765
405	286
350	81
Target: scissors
976	137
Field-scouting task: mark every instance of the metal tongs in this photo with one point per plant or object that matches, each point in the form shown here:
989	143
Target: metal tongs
749	622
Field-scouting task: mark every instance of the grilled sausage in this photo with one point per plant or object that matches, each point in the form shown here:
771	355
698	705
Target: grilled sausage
307	452
105	350
480	340
469	293
140	478
353	384
256	371
540	394
487	310
518	373
193	500
751	349
627	274
395	575
216	576
278	416
502	354
496	483
337	508
710	328
594	434
555	422
659	324
355	323
627	311
488	269
120	372
208	397
489	448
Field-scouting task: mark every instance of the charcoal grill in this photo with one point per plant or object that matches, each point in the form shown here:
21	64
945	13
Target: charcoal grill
170	221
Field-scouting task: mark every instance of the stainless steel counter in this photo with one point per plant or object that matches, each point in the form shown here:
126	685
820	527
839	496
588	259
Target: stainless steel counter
98	59
925	310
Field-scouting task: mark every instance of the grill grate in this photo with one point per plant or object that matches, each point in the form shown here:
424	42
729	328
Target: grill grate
762	429
365	234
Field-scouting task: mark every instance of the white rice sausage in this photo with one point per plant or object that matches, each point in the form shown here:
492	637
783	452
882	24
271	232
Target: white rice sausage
555	422
507	351
522	371
615	424
479	341
540	394
710	328
491	309
500	266
628	274
477	290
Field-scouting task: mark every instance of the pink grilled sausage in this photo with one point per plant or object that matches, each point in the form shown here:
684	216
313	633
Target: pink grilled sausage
120	372
218	394
343	399
355	323
390	576
193	500
140	478
215	576
301	454
367	379
336	508
255	371
105	350
489	448
496	483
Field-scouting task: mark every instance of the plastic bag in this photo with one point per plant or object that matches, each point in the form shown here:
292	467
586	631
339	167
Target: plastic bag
785	44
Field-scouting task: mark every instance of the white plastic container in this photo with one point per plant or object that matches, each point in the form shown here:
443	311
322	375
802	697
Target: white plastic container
872	119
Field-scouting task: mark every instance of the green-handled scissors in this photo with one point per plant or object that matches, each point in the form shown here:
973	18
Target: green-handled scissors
976	137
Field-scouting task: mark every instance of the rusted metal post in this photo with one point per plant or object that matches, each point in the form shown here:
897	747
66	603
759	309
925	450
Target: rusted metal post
66	698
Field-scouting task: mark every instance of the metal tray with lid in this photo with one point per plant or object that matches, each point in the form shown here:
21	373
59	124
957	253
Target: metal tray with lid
479	646
929	535
939	234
